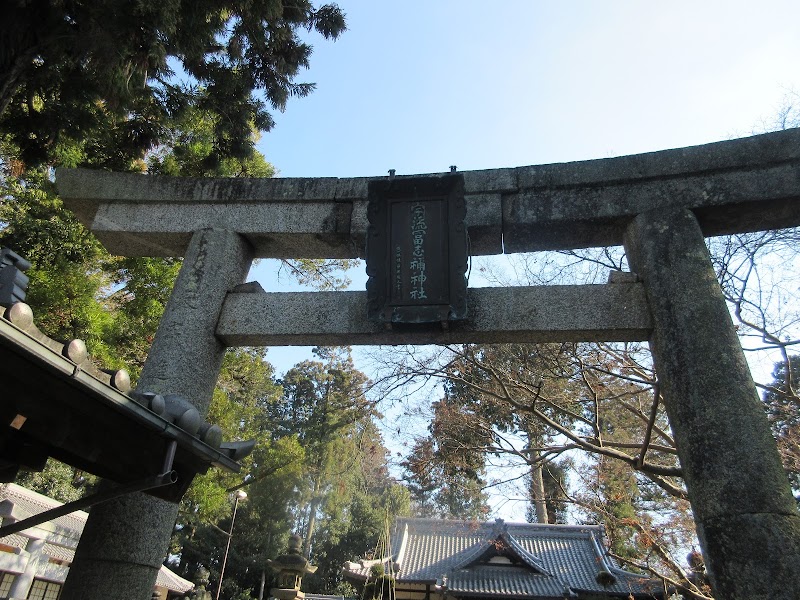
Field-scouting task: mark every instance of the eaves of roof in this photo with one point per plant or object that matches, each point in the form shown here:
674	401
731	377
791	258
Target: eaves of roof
503	581
172	581
64	410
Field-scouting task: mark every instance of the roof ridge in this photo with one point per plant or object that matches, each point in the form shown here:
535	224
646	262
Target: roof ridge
456	522
606	564
402	550
501	533
526	556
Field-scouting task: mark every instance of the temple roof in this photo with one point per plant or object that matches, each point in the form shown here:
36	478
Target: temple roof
512	560
63	533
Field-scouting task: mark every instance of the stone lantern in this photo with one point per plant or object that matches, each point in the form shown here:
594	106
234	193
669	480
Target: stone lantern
290	568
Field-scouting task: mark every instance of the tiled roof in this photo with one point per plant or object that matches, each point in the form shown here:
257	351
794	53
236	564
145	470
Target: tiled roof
16	540
84	417
69	526
543	559
173	581
60	552
68	530
506	581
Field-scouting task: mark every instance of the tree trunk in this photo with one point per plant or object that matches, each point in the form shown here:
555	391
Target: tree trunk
312	522
313	505
538	495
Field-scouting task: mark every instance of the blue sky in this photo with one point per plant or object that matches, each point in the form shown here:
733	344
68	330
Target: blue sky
417	86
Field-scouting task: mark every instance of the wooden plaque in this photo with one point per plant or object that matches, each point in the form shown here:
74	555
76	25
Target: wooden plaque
417	249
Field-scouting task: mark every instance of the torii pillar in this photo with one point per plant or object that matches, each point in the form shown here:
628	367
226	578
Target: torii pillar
660	205
747	523
125	539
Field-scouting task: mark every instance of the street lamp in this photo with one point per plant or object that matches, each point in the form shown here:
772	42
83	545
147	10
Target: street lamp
240	495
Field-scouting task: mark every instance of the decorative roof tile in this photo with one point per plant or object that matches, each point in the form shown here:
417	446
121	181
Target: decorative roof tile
68	409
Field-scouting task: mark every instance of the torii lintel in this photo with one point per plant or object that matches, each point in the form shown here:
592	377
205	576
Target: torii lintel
740	185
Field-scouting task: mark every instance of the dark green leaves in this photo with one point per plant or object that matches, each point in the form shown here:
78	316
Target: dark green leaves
70	70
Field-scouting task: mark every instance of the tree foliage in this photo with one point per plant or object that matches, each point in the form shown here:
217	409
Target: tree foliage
782	401
114	303
588	418
596	407
114	72
319	469
57	481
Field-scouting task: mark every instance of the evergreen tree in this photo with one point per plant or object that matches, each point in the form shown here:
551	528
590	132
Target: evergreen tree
369	503
536	406
67	275
782	401
443	483
57	481
475	421
323	404
106	70
319	468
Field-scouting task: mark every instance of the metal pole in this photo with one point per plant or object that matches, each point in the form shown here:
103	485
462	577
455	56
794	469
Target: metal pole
240	495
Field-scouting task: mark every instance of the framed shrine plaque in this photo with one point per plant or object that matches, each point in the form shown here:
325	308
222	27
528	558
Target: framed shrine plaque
417	250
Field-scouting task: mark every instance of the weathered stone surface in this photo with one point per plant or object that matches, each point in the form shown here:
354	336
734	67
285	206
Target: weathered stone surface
280	230
186	356
126	539
662	203
491	181
740	154
484	223
767	565
570	205
740	495
534	314
554	217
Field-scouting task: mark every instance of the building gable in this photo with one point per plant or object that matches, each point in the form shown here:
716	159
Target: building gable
467	559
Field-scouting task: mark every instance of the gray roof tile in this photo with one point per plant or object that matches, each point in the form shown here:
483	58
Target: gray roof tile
545	559
509	581
68	529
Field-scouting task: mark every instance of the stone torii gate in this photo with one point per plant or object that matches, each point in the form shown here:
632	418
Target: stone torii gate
658	205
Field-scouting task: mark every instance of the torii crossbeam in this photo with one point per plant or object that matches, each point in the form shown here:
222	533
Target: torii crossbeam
658	205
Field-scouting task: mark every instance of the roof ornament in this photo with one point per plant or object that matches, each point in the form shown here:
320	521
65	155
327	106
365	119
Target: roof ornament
605	578
499	528
89	416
